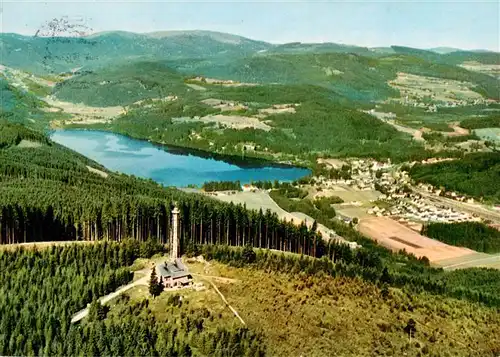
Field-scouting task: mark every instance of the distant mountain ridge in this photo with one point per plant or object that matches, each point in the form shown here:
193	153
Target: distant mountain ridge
42	55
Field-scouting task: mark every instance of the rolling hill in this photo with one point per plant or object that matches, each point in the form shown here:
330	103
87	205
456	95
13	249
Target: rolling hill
43	55
122	85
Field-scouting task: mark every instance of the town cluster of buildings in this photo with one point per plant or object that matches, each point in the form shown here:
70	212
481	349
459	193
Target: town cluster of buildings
398	199
362	174
415	208
442	192
431	104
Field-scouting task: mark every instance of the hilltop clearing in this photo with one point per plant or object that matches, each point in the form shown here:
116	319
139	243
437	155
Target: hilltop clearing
227	121
80	113
325	310
490	69
415	88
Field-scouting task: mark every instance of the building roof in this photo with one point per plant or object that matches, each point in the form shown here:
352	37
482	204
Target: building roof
173	270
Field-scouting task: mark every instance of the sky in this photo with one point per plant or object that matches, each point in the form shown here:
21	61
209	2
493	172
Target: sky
422	24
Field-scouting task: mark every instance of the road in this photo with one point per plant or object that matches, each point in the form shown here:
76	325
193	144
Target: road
492	261
462	206
103	300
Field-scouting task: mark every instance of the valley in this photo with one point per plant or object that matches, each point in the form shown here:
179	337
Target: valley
325	199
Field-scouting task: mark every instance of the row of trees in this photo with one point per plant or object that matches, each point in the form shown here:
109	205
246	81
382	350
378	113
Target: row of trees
490	121
212	186
473	235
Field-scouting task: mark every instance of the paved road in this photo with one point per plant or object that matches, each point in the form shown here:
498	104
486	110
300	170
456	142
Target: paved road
103	300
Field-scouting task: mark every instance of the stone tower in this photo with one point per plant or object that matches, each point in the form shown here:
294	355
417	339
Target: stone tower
175	245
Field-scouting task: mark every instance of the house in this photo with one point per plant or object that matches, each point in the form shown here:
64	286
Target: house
174	274
249	188
249	147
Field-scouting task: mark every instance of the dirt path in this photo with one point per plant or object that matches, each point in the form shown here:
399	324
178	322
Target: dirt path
226	280
103	300
42	245
225	301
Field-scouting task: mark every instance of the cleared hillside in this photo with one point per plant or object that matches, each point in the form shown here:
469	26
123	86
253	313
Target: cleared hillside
122	85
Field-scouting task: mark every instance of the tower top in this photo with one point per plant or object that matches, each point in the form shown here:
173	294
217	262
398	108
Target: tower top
176	210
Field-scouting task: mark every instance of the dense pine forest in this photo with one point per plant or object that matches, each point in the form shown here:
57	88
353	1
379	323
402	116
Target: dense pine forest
40	290
476	175
473	235
48	193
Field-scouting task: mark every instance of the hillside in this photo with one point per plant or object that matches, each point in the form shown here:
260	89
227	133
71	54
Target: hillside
325	97
359	77
21	106
42	55
312	313
187	118
475	175
121	85
287	101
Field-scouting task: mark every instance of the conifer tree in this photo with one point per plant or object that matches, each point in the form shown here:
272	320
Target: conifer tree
153	283
160	286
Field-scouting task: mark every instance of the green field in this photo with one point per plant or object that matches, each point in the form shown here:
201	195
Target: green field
491	134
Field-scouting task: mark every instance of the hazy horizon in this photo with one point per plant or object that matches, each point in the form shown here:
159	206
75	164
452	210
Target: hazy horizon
463	25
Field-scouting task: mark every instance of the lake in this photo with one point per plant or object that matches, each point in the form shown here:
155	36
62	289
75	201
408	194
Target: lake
169	166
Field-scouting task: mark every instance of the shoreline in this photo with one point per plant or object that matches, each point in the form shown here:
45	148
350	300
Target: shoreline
246	162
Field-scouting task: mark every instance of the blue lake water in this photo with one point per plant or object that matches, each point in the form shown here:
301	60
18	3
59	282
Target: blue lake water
166	165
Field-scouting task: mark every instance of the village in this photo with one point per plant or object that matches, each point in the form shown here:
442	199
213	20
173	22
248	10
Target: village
394	191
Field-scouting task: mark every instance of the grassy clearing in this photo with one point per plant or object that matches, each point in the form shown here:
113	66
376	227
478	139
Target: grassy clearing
325	316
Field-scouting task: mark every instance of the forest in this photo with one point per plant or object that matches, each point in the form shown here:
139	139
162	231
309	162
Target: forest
41	289
48	193
302	134
491	121
473	235
476	175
